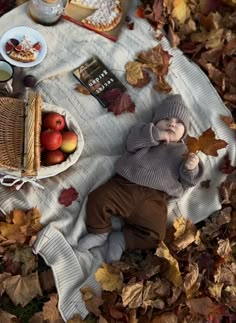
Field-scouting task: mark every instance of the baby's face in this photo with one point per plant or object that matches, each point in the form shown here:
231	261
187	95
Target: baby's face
173	126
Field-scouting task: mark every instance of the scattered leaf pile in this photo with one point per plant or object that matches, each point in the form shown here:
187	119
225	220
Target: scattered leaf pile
24	288
190	278
205	30
157	61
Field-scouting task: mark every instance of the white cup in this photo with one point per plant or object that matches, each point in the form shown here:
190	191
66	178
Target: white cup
6	76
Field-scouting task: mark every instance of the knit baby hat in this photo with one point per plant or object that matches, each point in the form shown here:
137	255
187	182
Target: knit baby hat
173	107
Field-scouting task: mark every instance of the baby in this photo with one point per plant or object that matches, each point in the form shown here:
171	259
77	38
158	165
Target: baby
151	171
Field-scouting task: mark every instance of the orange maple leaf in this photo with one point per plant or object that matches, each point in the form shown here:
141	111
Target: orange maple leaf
206	143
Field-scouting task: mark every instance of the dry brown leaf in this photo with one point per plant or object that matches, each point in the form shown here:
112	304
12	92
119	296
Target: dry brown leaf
204	306
22	290
165	318
37	318
226	274
162	85
191	284
179	224
102	320
181	11
82	89
134	72
76	319
215	290
187	237
12	233
206	143
110	281
224	248
132	295
6	317
19	217
26	258
50	310
92	301
46	279
173	273
3	276
132	316
229	294
229	121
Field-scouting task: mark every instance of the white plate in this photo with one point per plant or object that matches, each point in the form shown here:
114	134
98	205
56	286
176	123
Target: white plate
18	33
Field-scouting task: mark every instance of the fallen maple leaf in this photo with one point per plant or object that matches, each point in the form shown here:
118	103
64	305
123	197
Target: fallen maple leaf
6	317
205	306
132	294
134	72
228	121
68	196
82	89
180	10
50	310
226	167
22	290
123	103
173	273
156	59
37	318
191	284
92	301
110	281
206	143
167	317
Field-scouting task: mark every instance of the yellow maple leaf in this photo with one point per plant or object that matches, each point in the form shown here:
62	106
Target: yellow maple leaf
179	224
180	11
133	72
110	281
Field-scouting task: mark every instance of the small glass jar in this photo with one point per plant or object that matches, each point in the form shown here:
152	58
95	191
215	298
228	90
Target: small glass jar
46	12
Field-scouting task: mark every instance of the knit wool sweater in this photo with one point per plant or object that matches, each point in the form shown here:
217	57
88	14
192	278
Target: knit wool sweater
152	163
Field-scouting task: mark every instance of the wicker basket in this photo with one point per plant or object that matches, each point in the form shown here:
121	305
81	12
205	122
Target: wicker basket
20	126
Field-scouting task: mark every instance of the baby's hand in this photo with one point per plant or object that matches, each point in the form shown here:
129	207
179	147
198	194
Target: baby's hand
191	162
164	136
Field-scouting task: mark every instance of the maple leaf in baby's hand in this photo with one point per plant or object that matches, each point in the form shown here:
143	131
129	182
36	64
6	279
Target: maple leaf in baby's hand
135	75
206	143
68	196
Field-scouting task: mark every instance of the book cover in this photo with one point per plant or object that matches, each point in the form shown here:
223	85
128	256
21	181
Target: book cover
101	16
99	80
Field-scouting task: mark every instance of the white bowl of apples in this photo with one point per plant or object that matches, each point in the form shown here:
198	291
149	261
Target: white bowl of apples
61	140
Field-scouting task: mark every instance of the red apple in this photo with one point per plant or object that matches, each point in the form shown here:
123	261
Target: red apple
51	139
69	141
53	157
54	120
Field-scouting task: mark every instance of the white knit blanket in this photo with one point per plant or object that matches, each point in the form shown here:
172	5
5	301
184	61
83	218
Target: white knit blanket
105	135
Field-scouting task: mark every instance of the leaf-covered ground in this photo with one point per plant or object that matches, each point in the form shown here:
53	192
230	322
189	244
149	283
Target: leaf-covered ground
191	276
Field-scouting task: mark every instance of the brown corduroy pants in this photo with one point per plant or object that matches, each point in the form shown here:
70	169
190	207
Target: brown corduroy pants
143	209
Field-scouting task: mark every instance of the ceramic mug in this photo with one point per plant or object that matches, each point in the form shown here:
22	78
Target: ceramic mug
6	76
